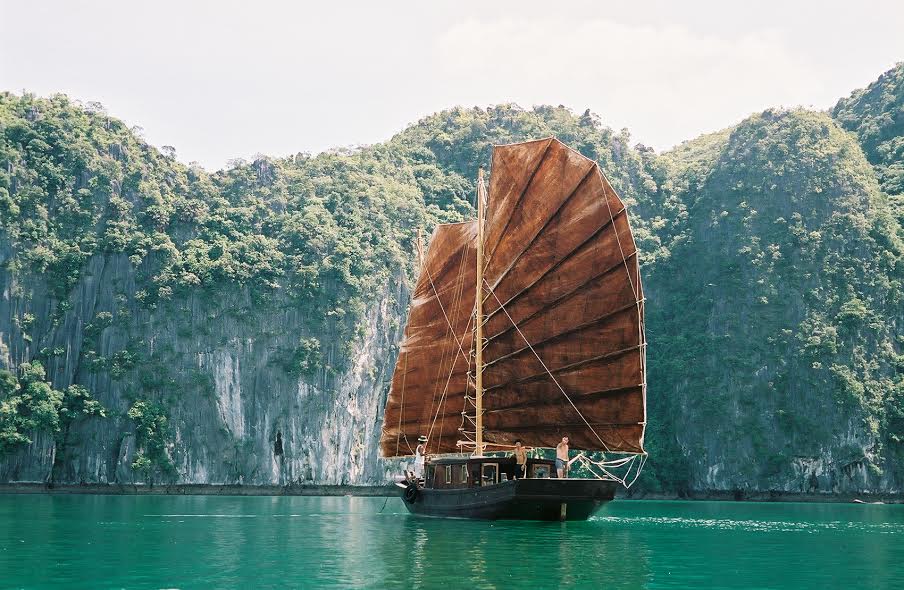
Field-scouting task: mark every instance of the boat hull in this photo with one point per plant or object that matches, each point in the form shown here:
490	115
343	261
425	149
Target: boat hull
523	499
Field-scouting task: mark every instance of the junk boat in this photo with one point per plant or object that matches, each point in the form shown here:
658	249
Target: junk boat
526	324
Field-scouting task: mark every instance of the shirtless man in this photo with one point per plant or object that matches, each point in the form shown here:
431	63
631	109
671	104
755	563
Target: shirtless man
562	458
520	459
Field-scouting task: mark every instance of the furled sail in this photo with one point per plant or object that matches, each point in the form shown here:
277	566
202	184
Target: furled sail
563	317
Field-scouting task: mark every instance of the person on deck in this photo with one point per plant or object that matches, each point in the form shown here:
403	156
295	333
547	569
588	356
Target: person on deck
419	454
562	458
520	460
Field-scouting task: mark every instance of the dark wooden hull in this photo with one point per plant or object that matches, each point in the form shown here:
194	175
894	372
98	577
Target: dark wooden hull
523	499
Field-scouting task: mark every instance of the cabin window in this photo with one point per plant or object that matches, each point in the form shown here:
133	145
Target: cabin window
448	474
490	474
429	474
464	474
539	471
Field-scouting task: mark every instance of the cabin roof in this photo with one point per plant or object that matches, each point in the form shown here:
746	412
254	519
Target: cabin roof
463	460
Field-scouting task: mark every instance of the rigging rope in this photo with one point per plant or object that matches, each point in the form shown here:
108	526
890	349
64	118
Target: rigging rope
443	396
443	309
456	300
456	306
637	297
635	466
548	372
404	376
402	403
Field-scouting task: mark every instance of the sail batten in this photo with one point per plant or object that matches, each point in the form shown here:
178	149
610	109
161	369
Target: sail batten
513	182
596	248
558	262
430	362
564	347
554	368
592	395
517	258
511	326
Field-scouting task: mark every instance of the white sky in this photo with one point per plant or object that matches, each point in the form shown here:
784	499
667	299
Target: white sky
224	79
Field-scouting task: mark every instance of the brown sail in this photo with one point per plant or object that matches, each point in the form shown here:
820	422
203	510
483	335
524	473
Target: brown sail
434	355
563	316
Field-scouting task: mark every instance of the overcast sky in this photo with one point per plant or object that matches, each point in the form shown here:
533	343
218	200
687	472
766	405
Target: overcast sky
221	79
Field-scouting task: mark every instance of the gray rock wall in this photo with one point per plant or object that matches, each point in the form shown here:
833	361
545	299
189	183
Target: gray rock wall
236	415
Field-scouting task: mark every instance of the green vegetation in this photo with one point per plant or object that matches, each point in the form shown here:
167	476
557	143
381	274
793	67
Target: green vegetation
772	254
876	115
29	404
449	147
305	359
151	432
777	312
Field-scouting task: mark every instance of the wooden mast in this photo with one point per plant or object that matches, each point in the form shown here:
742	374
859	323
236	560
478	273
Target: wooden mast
478	359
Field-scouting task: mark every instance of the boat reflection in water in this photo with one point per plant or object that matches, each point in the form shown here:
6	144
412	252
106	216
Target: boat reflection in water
461	553
525	325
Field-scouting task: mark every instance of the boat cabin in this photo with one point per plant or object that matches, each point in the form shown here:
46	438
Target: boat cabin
458	472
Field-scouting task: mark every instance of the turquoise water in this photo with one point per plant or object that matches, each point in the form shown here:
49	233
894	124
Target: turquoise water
347	542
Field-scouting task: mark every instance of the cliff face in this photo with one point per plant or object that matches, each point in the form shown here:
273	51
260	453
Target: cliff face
241	327
234	414
876	115
236	329
779	318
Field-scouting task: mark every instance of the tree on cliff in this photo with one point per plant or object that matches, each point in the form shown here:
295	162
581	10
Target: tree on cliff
772	263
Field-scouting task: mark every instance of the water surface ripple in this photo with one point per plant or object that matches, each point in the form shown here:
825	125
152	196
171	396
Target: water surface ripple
349	542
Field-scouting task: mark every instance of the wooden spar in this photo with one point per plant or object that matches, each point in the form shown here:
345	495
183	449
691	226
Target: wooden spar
478	321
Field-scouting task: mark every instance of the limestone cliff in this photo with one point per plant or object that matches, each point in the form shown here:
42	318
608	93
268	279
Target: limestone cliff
235	415
241	326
